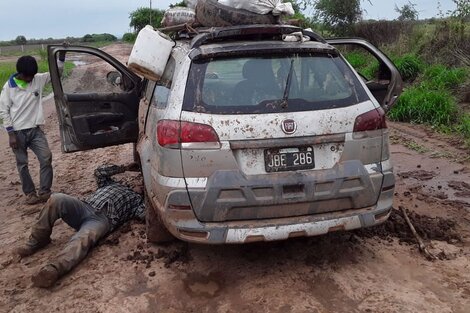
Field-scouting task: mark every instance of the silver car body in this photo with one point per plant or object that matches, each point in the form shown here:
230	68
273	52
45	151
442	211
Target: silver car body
221	192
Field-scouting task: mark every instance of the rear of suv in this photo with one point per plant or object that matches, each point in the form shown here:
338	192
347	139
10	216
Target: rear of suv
247	136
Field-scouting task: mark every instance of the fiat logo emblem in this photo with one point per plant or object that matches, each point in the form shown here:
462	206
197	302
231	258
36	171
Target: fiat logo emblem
289	126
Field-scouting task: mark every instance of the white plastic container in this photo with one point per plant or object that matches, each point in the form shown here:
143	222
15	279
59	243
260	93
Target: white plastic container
150	53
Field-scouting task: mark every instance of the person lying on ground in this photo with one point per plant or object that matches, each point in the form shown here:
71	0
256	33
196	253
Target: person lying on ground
111	205
22	114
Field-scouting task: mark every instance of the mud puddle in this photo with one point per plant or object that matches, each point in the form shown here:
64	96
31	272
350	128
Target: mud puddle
208	286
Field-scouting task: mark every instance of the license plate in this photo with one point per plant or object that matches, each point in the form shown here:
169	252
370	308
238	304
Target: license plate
288	159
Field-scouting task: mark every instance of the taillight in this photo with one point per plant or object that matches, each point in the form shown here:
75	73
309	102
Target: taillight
372	120
176	134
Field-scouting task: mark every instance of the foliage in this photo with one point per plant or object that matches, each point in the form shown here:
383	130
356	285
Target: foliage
432	101
364	63
129	37
145	16
439	77
98	37
42	54
337	15
420	105
179	4
462	9
21	40
463	127
407	12
383	32
409	65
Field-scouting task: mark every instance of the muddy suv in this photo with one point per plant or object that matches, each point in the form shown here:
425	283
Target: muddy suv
246	137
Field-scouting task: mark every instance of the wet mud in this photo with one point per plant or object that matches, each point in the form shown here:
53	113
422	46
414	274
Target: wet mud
371	270
429	228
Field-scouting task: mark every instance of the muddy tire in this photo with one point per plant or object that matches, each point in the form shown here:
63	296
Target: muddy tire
210	13
156	230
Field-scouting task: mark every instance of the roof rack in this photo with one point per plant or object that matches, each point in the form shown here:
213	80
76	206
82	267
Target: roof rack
202	36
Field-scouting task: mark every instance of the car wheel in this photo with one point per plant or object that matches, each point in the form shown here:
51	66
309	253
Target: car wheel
210	13
156	230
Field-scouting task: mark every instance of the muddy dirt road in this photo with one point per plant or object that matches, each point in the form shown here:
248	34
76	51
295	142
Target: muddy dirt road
375	270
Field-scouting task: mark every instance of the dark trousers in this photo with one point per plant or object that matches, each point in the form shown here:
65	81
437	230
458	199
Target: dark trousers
89	225
35	139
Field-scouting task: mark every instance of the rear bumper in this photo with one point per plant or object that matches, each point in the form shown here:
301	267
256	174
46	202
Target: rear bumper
184	225
229	195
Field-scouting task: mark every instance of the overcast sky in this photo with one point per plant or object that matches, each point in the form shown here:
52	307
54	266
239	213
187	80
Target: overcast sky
59	18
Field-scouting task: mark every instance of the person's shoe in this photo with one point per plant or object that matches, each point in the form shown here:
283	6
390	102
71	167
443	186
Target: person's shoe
32	198
31	247
46	277
43	197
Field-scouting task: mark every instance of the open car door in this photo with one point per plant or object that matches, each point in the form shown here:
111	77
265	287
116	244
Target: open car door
96	96
386	84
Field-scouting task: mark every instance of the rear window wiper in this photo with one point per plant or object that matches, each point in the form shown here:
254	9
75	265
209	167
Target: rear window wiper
285	97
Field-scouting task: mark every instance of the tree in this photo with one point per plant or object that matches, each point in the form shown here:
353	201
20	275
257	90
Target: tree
21	40
338	15
407	12
461	14
128	37
143	16
87	38
179	4
462	11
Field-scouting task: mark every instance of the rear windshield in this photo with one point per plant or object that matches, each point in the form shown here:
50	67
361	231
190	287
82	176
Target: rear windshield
299	82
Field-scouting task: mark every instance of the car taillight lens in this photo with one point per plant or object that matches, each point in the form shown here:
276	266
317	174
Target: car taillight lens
372	120
176	134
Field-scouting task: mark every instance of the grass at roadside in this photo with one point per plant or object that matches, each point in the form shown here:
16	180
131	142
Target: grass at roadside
430	96
35	48
431	101
9	68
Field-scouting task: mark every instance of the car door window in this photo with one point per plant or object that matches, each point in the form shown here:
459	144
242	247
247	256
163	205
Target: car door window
160	97
91	74
163	86
97	100
376	70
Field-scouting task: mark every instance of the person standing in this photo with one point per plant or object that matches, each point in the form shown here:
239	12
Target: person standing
22	113
111	205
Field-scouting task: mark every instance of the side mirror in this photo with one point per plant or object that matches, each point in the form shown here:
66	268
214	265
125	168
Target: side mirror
114	78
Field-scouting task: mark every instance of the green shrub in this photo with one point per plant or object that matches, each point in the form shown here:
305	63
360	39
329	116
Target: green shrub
99	37
356	59
371	70
424	106
441	77
463	126
409	66
129	37
364	63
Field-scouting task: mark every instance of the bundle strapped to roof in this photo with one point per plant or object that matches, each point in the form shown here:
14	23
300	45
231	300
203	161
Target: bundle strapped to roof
245	31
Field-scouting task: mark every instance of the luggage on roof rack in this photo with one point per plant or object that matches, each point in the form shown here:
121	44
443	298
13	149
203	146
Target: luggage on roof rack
244	31
211	13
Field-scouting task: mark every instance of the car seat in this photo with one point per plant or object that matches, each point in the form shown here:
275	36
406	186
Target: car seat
259	83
